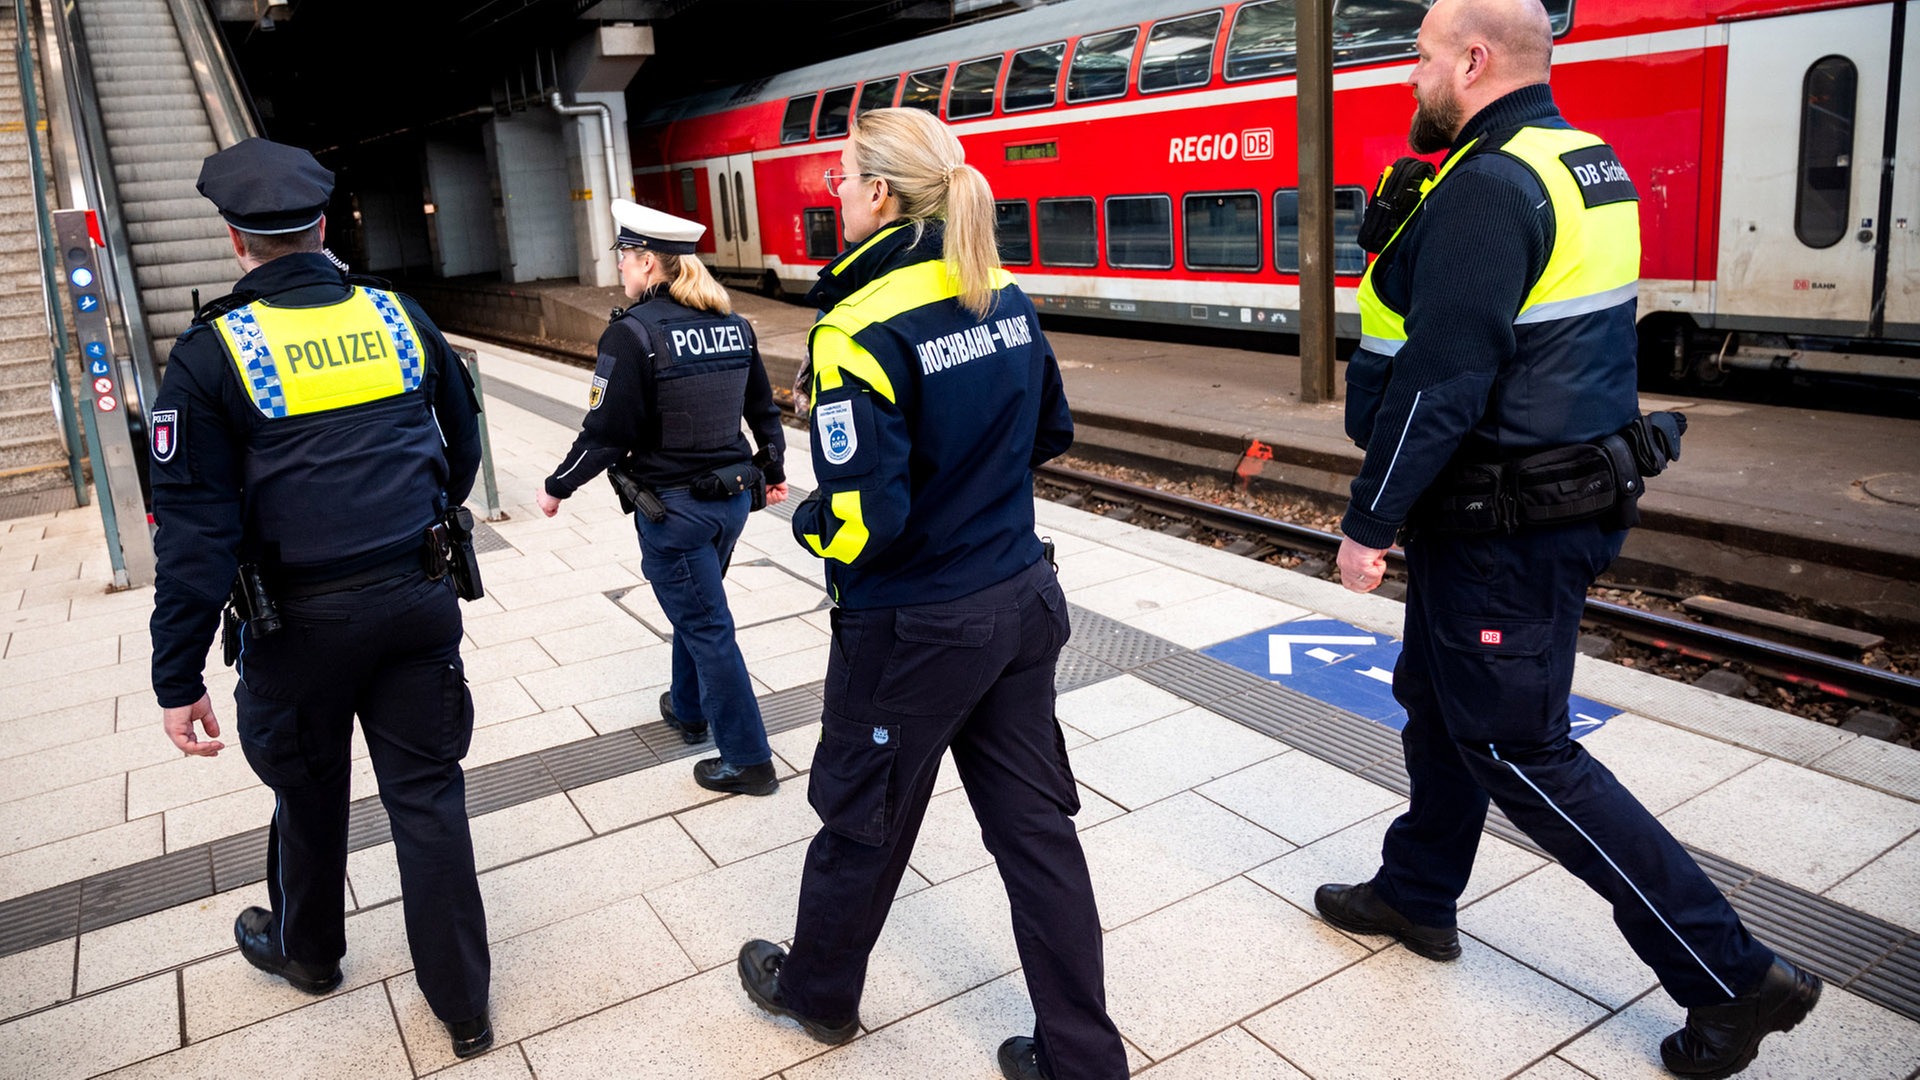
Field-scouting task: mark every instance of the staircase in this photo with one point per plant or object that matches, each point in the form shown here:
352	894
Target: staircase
33	457
157	134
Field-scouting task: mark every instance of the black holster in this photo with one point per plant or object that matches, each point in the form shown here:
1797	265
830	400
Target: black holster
449	551
250	608
635	496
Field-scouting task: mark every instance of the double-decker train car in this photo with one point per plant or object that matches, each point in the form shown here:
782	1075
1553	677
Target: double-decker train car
1143	156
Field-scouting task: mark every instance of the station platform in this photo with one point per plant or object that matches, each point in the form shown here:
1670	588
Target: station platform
1218	791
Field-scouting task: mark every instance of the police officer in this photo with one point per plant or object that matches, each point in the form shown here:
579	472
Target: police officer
1494	386
677	372
935	394
311	428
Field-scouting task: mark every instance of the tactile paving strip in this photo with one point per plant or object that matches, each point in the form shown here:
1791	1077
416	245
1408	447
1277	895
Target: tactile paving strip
1076	669
486	539
1113	642
1200	679
145	887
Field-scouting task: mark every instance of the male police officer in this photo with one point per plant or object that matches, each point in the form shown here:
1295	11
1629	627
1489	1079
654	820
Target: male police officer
310	431
1495	380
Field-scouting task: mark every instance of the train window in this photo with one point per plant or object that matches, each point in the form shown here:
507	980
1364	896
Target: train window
823	235
1261	43
798	121
1366	30
923	90
834	107
1033	80
1826	151
878	93
1349	206
1066	233
1101	64
1013	231
1140	232
689	193
1179	53
1222	230
972	93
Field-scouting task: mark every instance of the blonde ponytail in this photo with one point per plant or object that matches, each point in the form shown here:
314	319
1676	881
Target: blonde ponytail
926	169
692	285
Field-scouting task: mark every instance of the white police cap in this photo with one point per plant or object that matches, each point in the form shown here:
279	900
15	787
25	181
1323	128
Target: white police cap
655	230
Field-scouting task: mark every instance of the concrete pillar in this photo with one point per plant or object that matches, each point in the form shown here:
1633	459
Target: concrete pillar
534	220
460	226
587	173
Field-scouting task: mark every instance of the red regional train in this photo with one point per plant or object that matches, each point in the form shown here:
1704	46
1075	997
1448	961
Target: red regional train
1143	156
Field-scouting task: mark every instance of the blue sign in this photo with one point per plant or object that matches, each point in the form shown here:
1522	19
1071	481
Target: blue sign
82	277
1351	669
96	349
99	367
86	302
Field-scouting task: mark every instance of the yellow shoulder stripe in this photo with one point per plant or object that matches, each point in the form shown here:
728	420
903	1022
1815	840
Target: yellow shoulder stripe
851	538
834	352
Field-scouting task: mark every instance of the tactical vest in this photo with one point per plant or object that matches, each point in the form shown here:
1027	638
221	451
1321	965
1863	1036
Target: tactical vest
1573	373
349	459
701	362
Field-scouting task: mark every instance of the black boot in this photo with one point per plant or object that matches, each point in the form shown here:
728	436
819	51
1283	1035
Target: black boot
1020	1060
253	931
471	1037
715	774
1355	909
1720	1040
760	963
691	733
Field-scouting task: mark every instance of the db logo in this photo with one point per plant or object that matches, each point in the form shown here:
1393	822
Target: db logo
1489	637
1256	144
1801	284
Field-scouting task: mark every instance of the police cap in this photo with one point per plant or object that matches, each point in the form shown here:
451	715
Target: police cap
645	227
260	186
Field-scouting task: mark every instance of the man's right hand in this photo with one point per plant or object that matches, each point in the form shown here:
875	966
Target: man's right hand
548	504
179	722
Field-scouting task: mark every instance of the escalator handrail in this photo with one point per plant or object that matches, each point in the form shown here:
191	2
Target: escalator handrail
222	90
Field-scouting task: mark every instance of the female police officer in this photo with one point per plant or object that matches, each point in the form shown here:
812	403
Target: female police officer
677	371
934	396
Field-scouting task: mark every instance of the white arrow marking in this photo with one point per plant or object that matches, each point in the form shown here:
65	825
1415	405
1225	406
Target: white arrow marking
1377	674
1280	647
1581	719
1325	656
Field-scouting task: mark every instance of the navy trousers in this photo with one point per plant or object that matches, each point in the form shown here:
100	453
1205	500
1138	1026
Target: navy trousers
904	684
390	653
685	559
1484	675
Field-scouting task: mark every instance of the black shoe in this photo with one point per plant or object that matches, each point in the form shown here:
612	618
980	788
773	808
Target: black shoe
471	1037
1355	909
691	733
715	774
253	931
760	976
1720	1040
1020	1060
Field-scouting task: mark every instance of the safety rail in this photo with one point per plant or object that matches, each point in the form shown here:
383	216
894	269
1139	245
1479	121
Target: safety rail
43	222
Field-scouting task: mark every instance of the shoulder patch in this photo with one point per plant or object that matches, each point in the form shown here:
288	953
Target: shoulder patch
839	440
166	434
1601	177
596	393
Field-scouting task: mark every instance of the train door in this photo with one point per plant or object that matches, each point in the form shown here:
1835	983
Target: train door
736	241
1800	193
1903	228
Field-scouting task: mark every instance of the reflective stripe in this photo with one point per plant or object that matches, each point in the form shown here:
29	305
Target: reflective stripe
854	256
1491	749
297	361
1580	305
1383	346
835	352
850	539
1411	409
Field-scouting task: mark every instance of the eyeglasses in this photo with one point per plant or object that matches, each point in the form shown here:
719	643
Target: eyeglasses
835	178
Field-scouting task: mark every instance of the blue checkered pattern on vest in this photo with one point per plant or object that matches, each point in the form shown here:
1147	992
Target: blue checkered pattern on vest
412	364
263	378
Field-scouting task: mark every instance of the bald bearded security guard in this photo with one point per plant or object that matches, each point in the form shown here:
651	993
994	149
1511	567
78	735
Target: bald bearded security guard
1494	395
311	432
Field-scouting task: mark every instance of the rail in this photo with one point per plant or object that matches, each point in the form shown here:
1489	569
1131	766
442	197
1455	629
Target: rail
1832	675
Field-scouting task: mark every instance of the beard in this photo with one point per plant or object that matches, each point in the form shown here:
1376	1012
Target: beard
1436	120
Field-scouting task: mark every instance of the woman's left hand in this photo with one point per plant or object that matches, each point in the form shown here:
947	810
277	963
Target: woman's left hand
548	504
776	493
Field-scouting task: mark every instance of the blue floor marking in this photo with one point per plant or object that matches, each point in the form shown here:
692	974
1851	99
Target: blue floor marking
1351	669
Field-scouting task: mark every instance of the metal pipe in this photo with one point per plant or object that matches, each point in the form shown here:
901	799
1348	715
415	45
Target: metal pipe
606	135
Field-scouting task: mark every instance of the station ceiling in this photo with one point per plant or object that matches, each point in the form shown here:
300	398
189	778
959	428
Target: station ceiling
334	74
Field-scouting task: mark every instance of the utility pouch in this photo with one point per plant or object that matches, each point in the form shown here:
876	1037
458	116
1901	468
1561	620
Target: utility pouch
1572	483
1468	499
1401	186
433	551
724	483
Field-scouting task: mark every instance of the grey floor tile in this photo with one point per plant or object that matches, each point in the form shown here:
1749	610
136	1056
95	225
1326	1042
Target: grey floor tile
1887	766
1397	1014
743	826
1169	755
585	877
547	977
796	745
1844	1038
1553	1068
1818	829
1187	970
36	978
712	914
1169	851
504	1063
955	1040
642	795
1114	705
1664	765
1887	887
949	844
1198	623
57	815
939	942
79	857
501	837
1550	921
702	1028
93	1034
227	993
343	1035
1231	1055
1300	797
165	939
